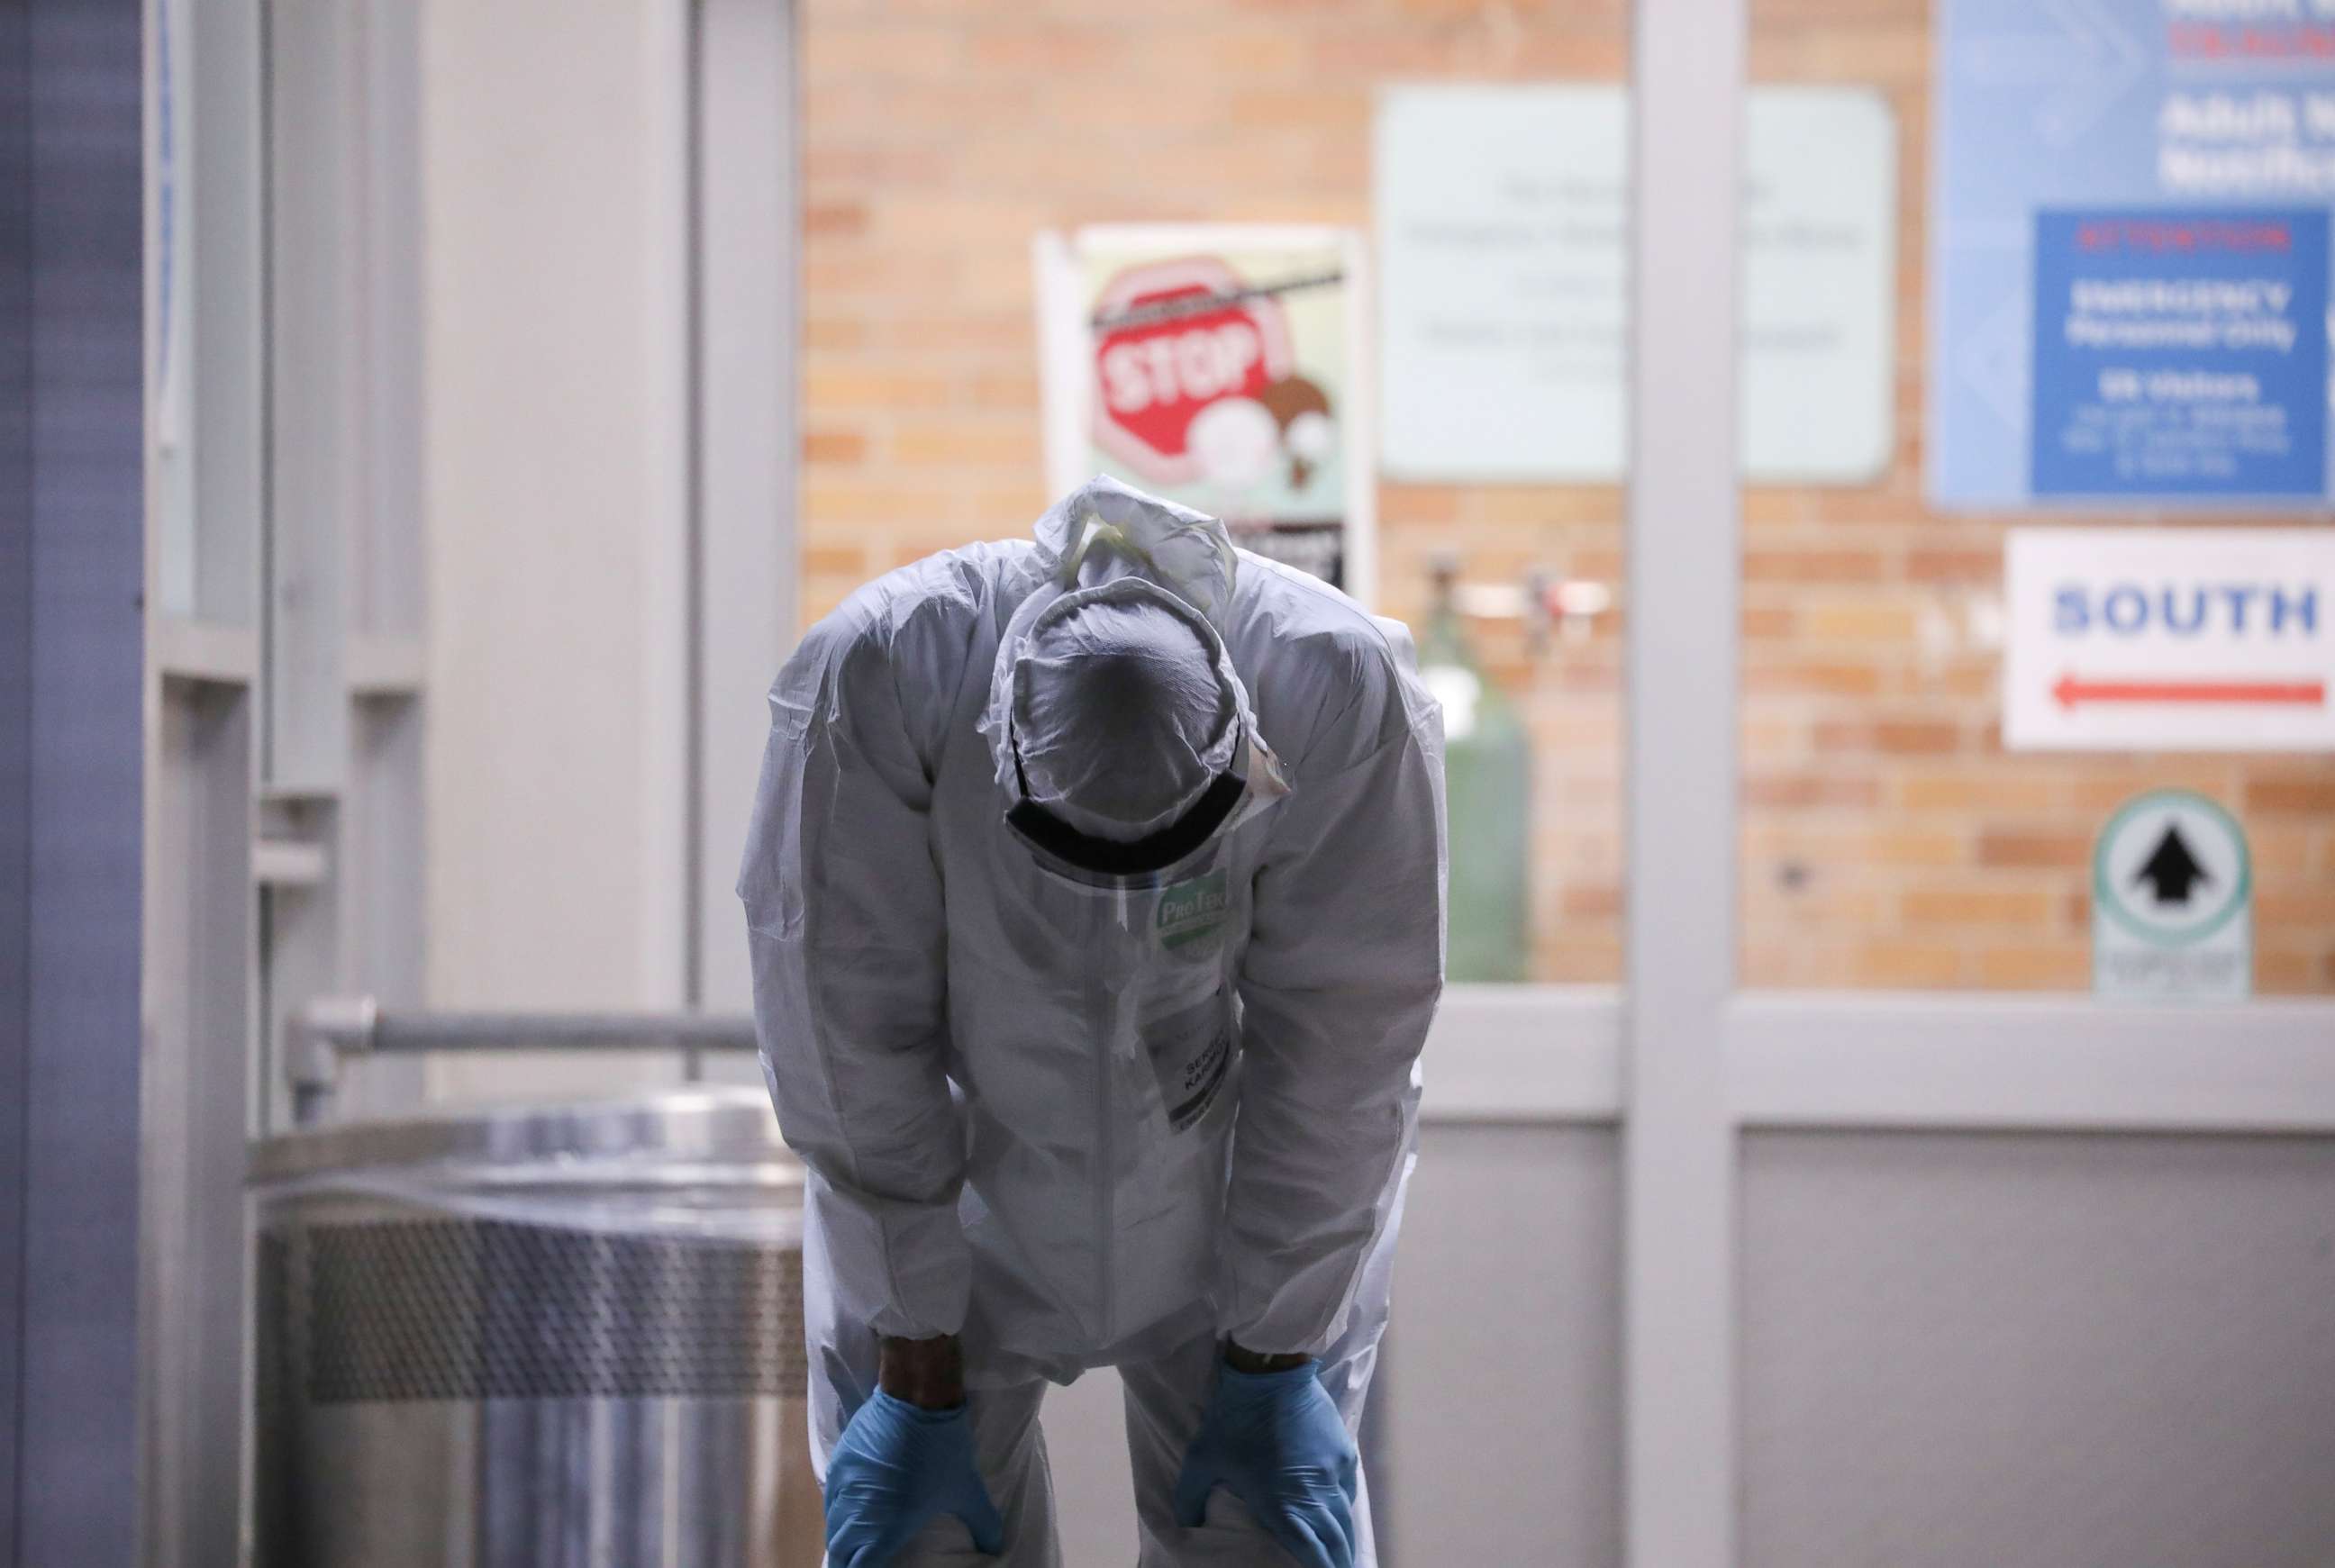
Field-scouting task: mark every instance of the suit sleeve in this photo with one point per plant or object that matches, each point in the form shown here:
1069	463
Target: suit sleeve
845	927
1338	986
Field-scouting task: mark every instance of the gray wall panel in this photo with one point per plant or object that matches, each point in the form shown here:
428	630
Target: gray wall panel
2044	1350
1502	1382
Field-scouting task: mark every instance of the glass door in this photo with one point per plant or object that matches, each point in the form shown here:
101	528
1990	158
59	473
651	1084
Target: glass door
1979	1053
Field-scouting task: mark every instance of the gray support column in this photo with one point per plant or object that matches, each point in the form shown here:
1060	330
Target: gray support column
71	683
1678	1220
15	719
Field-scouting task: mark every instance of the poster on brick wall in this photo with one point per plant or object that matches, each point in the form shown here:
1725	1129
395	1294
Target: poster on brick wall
2129	256
1503	282
1221	366
2165	639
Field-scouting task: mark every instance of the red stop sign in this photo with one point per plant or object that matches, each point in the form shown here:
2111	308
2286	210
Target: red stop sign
1181	342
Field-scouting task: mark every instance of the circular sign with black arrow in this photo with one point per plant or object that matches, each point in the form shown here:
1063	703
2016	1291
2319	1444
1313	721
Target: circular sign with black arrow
2172	892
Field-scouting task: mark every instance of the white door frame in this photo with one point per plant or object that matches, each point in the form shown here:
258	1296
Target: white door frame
744	210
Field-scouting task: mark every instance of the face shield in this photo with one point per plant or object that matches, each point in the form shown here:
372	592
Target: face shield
1183	848
1126	750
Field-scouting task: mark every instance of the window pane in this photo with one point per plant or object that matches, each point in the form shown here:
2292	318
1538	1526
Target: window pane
1891	837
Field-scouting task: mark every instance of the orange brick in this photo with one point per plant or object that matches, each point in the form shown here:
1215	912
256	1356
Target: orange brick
2036	967
840	447
833	388
1602	901
2097	797
835	270
1862	621
1005	49
2307	797
998	391
2295	908
1811	677
2031	848
1905	846
1862	55
1921	964
1005	507
1869	508
840	500
1809	791
1212	52
1766	507
1811	915
1365	52
1810	964
975	443
1593	563
1973	790
828	332
835	218
987	338
1579	956
2282	847
1978	905
1310	108
836	561
1941	565
1400	504
1813	567
1600	54
844	52
2286	972
1890	737
826	167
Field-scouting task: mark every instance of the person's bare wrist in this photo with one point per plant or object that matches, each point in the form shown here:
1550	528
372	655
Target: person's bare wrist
1251	1363
926	1373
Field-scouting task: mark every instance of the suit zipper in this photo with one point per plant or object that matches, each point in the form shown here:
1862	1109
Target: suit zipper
1104	1008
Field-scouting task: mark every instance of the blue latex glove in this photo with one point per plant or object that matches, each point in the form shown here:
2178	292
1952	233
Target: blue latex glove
1274	1440
896	1468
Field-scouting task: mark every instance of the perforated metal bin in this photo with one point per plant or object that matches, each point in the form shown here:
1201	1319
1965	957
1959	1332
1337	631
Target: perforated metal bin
561	1337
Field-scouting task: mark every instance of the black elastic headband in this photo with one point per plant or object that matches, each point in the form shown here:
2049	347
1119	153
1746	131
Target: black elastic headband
1108	856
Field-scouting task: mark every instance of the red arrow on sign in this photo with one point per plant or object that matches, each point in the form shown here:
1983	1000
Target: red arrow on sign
2072	691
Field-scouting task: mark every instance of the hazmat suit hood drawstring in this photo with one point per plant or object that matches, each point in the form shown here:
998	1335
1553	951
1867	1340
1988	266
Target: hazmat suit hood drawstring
1105	530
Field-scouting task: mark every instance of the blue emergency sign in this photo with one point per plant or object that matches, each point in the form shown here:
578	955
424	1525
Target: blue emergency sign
2131	257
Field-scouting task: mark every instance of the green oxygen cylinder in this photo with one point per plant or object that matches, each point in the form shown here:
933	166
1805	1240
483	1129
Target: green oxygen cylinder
1488	801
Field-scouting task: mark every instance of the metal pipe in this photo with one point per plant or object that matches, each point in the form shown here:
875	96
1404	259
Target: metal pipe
415	1031
327	1031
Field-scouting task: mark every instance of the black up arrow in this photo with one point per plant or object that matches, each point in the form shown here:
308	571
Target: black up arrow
2171	869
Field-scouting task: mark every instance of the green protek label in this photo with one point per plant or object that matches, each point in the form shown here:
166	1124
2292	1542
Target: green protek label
1189	911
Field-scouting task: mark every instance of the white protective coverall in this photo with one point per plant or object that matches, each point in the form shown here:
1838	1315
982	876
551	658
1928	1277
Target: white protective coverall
1100	1121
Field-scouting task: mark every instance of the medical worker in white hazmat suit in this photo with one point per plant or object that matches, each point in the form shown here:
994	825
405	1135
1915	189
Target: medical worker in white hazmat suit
1095	894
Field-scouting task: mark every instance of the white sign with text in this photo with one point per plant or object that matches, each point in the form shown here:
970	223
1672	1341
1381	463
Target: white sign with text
2169	640
1503	226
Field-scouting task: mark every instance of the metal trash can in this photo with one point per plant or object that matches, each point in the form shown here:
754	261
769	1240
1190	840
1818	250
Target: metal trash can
564	1338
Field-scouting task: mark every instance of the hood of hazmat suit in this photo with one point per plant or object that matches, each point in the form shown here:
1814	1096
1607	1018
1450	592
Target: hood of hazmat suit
1094	1024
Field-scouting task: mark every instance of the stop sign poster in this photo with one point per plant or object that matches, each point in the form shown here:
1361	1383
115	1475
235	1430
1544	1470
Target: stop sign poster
1215	365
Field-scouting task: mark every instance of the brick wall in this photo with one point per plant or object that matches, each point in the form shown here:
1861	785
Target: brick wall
1887	840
